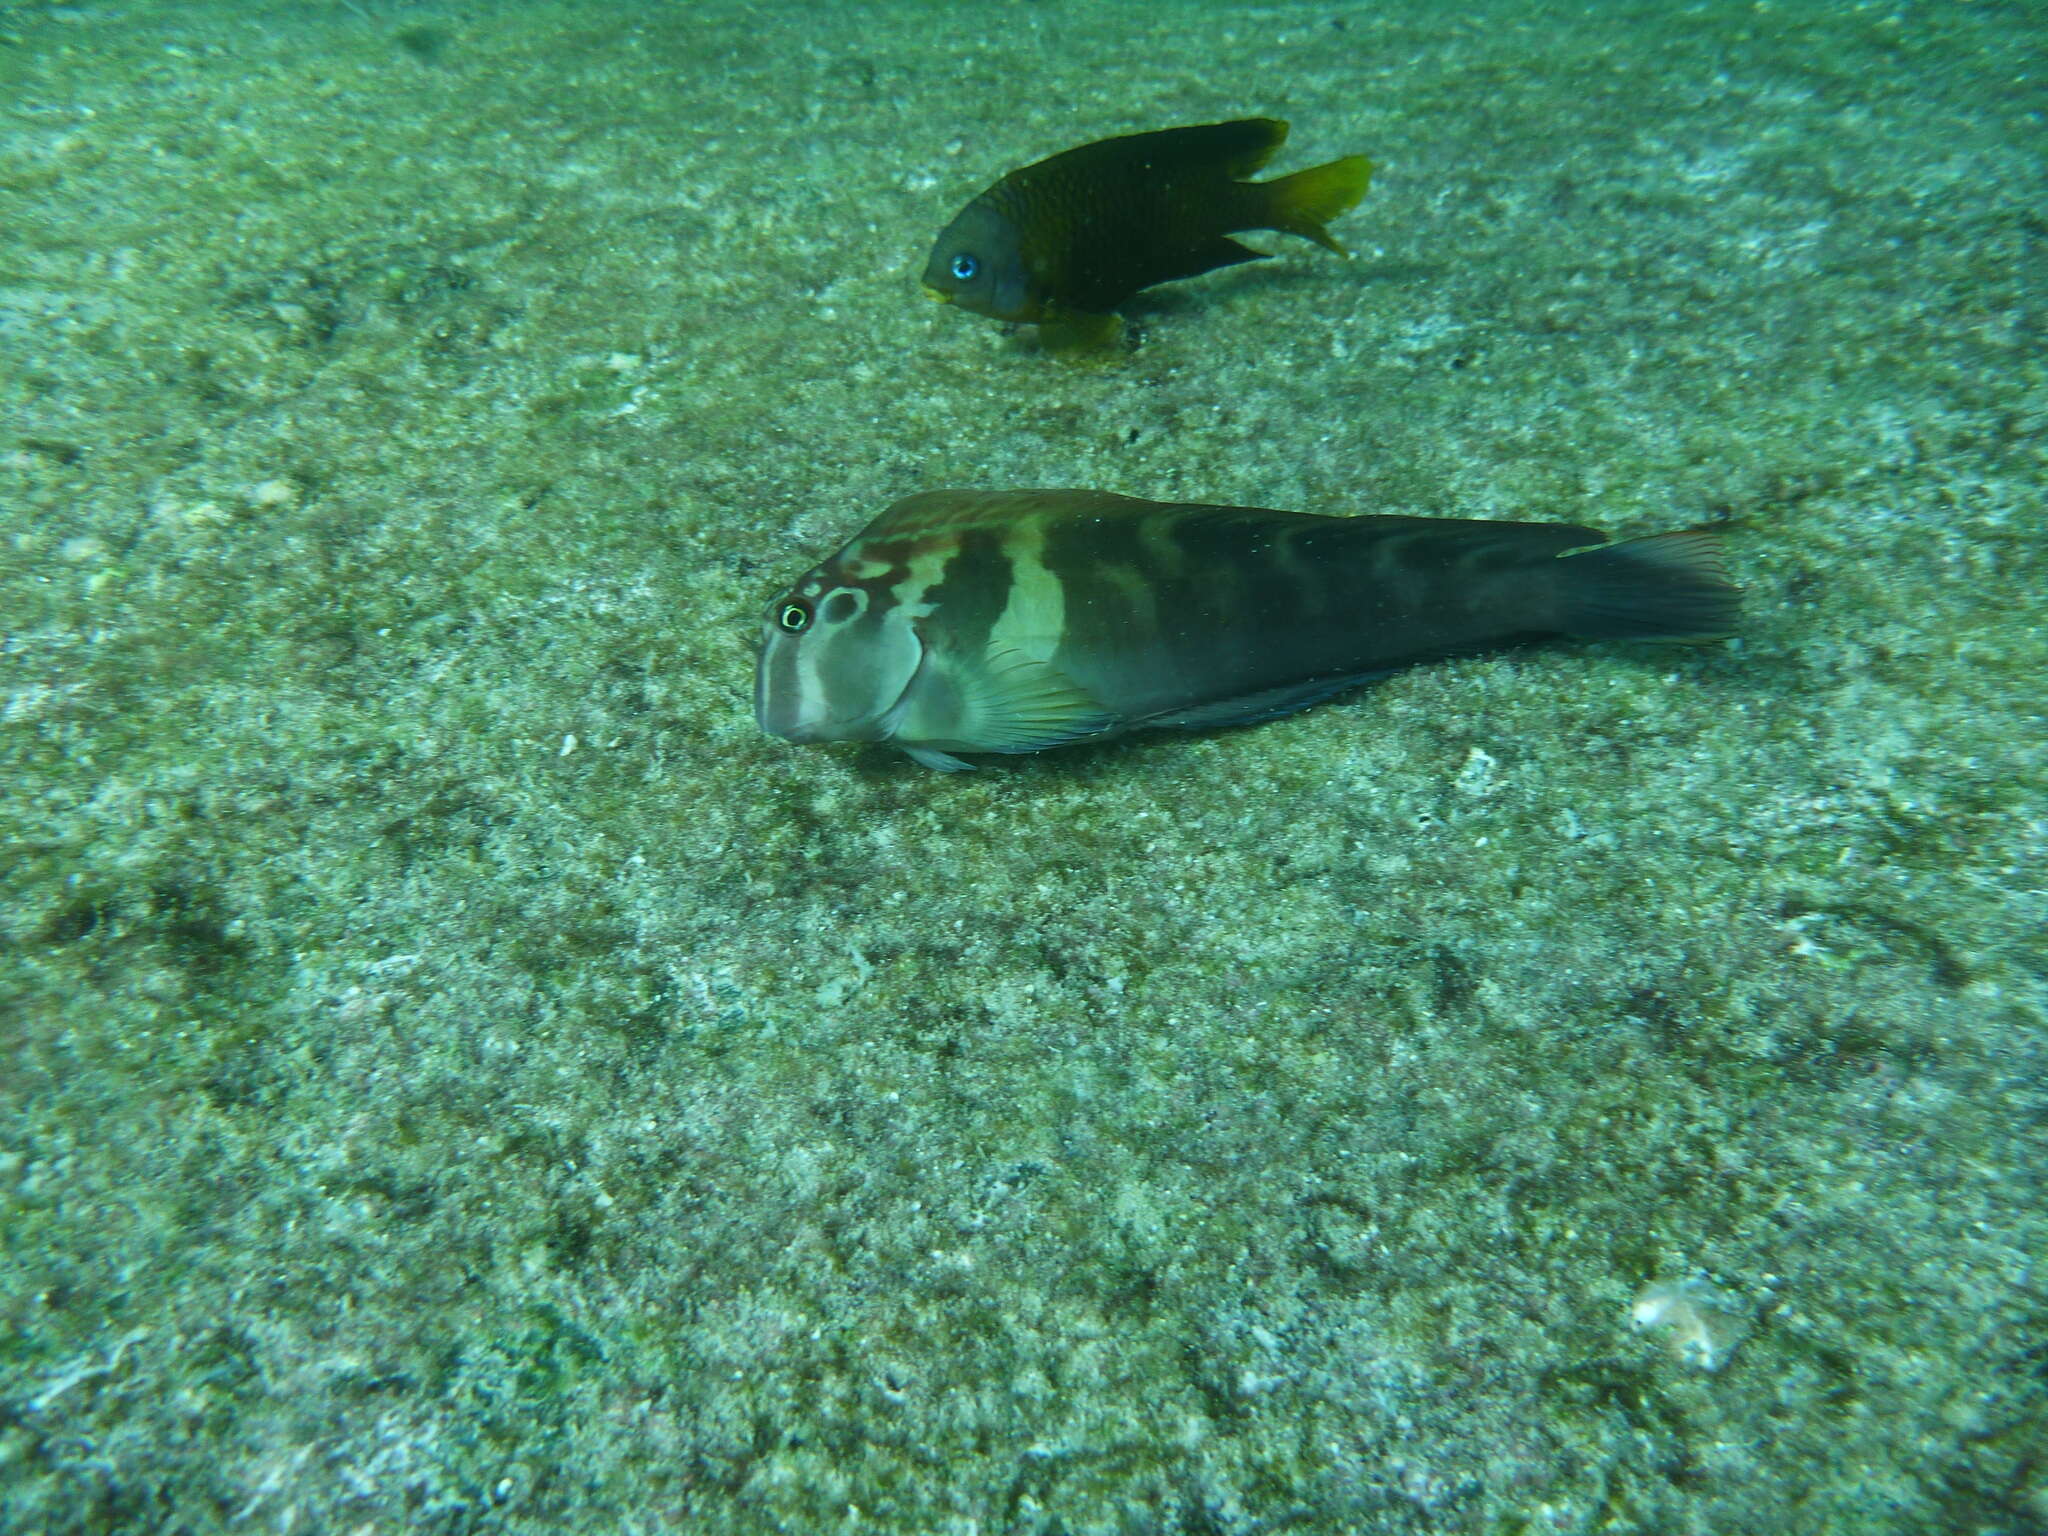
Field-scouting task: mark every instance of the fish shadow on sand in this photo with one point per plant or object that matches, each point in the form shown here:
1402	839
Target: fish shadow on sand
1220	290
1713	671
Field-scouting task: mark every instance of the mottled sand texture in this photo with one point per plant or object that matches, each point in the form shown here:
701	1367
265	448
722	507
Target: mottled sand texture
460	1076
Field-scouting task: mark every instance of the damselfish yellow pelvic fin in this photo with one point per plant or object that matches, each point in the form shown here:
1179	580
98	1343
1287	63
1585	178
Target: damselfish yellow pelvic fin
1076	330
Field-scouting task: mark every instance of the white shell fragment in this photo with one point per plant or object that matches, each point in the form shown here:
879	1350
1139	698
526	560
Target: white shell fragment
1702	1323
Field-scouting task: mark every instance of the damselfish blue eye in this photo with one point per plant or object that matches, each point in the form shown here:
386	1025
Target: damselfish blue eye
965	266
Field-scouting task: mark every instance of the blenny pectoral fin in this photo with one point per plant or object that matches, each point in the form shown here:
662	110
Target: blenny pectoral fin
1012	703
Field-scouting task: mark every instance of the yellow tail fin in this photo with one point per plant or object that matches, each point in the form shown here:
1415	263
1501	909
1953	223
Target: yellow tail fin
1302	203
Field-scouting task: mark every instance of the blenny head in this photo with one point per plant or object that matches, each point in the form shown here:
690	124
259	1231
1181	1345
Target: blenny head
837	659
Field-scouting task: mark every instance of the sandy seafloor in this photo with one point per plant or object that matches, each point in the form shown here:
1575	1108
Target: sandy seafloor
461	1076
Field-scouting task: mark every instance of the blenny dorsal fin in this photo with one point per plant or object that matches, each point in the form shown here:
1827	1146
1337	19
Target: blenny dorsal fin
954	511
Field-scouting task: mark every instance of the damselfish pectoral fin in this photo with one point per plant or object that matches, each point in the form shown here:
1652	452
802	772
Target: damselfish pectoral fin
1014	704
1074	330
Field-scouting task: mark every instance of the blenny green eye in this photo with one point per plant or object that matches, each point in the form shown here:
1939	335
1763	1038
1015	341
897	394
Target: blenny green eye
795	617
965	266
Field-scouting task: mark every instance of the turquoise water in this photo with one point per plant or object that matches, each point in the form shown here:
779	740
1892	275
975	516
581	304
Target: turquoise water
461	1076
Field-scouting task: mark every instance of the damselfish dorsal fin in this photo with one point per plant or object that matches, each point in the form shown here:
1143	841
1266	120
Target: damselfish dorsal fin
1236	148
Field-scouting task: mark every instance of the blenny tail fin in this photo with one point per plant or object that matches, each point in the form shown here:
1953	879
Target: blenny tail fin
1302	203
1669	586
